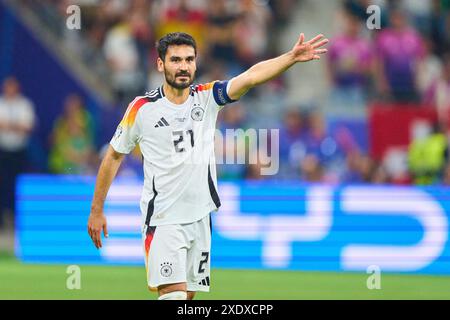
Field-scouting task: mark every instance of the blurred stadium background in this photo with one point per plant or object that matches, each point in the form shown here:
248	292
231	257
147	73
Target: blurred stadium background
364	164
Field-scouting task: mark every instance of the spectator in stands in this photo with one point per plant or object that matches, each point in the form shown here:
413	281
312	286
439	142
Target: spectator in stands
440	26
400	50
221	32
72	150
177	15
379	175
311	169
427	157
141	31
438	94
309	140
420	13
350	66
122	55
252	31
361	168
282	11
291	146
17	120
431	69
325	146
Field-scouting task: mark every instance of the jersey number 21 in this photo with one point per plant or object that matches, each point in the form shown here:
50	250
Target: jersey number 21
179	137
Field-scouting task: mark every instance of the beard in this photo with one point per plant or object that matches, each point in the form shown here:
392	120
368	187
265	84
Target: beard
180	85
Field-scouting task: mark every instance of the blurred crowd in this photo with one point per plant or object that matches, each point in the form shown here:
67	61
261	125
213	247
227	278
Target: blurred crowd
117	36
406	61
401	59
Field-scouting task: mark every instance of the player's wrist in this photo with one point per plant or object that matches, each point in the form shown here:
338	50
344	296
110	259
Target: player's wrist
97	210
291	57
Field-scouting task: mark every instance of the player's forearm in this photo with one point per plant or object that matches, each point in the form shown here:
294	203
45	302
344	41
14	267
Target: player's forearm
260	73
106	174
270	69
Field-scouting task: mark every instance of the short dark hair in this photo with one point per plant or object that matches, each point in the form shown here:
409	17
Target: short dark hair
174	39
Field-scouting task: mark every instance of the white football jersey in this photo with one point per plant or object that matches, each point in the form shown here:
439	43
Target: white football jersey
177	144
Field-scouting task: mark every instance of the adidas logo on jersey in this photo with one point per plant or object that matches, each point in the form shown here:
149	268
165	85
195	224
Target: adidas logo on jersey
162	123
204	282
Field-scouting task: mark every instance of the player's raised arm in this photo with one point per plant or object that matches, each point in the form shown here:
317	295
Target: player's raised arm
269	69
106	174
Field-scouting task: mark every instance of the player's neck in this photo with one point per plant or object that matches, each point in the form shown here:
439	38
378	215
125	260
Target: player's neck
176	96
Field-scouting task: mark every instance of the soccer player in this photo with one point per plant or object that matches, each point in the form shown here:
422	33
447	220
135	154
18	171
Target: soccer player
174	126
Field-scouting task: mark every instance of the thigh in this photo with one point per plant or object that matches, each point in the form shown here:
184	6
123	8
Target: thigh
198	257
166	253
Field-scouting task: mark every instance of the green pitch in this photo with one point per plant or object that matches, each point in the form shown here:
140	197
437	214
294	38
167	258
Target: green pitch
24	281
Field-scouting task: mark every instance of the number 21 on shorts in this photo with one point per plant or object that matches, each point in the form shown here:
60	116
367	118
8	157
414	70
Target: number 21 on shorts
205	257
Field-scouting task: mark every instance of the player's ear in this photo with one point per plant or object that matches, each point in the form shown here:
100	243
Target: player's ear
160	64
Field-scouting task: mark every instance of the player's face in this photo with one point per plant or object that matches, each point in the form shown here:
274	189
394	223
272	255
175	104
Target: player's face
179	66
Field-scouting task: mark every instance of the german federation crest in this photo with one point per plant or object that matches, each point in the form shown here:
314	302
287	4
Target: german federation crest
197	114
166	269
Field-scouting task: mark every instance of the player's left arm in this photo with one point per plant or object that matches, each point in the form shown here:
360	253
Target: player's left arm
269	69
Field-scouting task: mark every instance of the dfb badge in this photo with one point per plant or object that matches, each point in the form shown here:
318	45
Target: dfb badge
166	269
197	114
